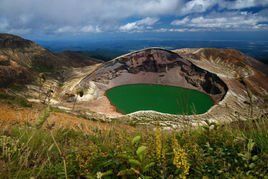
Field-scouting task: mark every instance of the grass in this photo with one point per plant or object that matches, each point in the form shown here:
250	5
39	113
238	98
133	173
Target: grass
14	100
43	68
16	87
238	150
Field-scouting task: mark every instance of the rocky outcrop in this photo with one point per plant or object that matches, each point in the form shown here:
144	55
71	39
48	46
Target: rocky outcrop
232	61
14	42
230	64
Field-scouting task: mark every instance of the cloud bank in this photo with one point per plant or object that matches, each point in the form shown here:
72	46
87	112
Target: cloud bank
91	16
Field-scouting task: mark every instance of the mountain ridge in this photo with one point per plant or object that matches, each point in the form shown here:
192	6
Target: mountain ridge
21	60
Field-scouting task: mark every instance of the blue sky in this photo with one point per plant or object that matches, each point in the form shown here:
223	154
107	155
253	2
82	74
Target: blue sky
86	19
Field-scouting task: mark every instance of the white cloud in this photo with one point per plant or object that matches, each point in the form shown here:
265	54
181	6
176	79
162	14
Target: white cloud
5	27
178	30
200	6
90	28
129	27
83	29
242	4
65	29
197	6
139	25
181	21
89	16
147	21
38	14
224	21
20	31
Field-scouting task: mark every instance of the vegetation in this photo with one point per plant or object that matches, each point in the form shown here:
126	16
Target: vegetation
14	100
237	150
43	68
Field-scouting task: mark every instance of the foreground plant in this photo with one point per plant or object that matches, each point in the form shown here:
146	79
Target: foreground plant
138	165
220	151
180	159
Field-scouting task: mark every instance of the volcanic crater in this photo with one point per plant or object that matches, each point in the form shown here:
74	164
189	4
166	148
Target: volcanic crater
153	66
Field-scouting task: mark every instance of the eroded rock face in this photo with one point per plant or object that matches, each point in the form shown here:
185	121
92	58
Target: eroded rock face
13	74
157	66
230	62
13	42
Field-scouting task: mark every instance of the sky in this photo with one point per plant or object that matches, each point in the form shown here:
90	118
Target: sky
82	19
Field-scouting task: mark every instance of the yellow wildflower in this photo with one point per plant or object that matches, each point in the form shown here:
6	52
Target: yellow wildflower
158	143
180	159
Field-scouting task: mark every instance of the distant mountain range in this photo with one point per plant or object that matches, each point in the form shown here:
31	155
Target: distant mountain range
110	49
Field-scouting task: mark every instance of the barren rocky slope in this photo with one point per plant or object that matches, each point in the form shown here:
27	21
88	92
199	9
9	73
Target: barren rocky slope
21	60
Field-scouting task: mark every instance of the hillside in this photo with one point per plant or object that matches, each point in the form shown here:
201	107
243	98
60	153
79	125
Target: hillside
21	60
58	145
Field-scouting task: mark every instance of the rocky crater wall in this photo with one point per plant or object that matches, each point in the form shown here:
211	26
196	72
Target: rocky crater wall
155	66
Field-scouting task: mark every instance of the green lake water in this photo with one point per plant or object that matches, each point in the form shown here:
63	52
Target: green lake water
165	99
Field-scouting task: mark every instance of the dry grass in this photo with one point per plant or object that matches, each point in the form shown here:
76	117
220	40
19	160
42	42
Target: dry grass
10	115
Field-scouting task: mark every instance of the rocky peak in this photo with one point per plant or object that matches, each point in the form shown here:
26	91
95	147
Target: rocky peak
21	60
13	42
